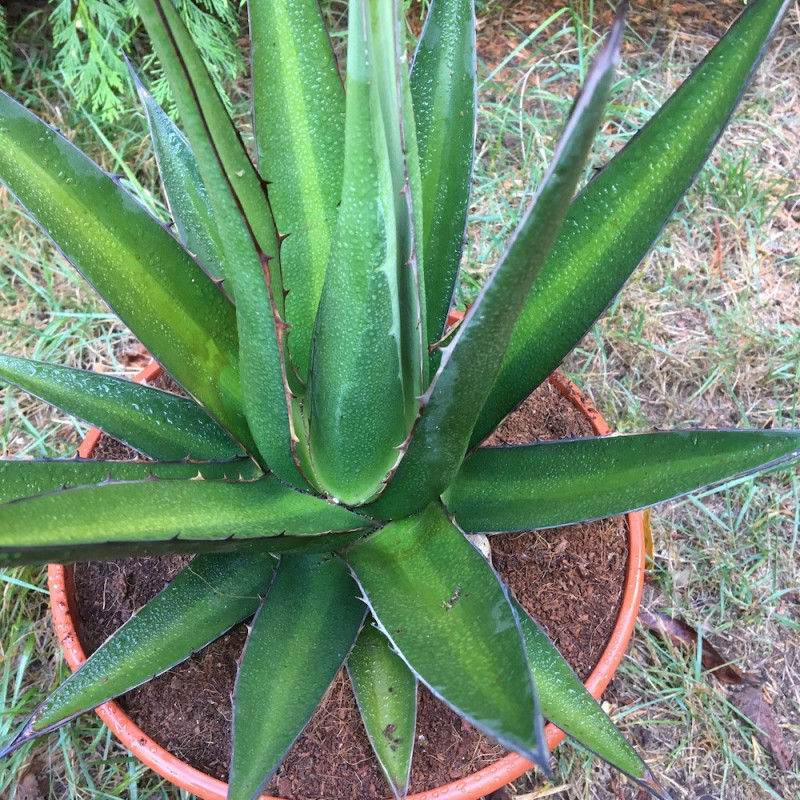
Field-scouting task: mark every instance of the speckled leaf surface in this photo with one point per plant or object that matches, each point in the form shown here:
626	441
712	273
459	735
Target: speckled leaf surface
298	114
250	242
203	601
128	518
20	478
298	640
439	603
568	705
159	424
443	86
358	397
386	693
555	483
184	189
132	261
470	362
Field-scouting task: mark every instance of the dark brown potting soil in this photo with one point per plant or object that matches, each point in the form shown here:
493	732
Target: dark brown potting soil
570	579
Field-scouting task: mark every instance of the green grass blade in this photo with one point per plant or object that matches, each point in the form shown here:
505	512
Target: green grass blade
184	189
128	518
359	399
298	115
568	705
159	424
443	86
208	597
614	222
299	639
386	693
250	242
135	265
21	478
439	602
555	483
472	359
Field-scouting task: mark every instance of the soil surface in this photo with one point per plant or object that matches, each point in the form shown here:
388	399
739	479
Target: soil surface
569	579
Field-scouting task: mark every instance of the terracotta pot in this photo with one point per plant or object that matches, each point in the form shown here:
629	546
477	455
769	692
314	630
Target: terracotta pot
475	786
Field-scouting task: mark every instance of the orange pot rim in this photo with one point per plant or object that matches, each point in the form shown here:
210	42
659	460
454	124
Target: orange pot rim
60	580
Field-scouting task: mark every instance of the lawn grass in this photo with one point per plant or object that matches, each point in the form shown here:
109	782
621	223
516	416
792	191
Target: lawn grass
706	333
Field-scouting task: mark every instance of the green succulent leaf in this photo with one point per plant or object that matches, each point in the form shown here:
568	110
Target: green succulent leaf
556	483
159	424
211	595
618	216
184	189
443	86
568	705
138	268
23	478
298	114
229	176
413	305
298	641
118	519
386	693
364	379
250	242
439	602
472	359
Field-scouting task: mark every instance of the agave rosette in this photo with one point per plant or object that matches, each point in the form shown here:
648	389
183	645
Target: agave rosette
326	462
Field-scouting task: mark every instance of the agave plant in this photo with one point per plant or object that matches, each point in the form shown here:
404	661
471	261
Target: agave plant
326	464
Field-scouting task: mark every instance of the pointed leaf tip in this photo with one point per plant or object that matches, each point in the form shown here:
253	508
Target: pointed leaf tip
438	602
25	735
649	782
386	693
